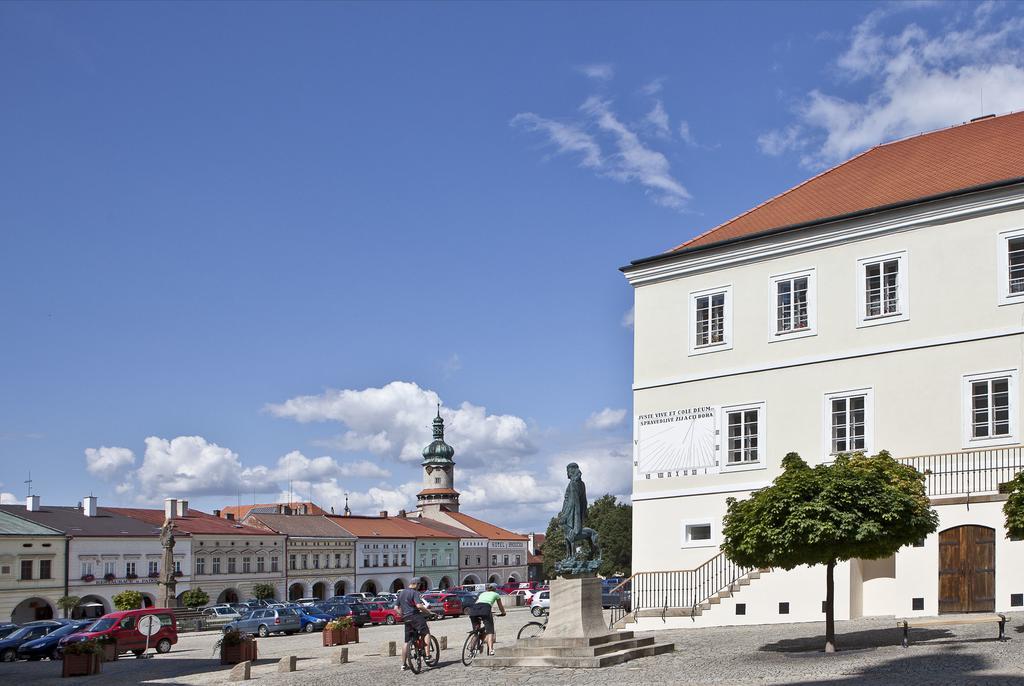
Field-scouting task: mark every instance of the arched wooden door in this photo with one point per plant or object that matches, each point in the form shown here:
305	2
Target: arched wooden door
967	569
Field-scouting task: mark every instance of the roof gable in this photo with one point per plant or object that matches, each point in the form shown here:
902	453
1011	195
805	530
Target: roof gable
980	153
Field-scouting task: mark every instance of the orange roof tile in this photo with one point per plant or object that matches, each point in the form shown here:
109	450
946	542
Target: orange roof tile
195	522
980	153
240	511
369	527
494	533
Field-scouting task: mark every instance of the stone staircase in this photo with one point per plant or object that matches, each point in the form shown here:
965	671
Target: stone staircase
592	652
664	588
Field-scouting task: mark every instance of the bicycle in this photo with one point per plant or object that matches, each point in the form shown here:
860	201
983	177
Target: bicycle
475	644
416	655
533	629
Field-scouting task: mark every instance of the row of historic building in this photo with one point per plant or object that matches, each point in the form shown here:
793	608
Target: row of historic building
48	552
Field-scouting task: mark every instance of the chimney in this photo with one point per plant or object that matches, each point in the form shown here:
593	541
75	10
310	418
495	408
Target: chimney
280	509
401	513
230	516
89	506
170	507
384	514
183	508
32	503
216	513
305	508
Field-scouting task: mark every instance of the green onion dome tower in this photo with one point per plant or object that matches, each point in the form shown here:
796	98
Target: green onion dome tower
438	473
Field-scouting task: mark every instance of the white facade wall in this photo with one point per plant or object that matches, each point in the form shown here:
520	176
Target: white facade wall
98	553
370	565
220	549
913	368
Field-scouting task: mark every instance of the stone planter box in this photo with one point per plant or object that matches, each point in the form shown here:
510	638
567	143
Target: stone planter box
80	665
109	653
232	655
340	637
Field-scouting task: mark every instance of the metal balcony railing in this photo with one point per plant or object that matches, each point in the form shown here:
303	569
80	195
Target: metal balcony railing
685	588
968	472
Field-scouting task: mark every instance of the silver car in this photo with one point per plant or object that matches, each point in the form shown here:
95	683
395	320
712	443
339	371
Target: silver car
264	622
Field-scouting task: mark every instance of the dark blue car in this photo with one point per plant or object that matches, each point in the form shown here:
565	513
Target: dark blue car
47	645
28	632
312	618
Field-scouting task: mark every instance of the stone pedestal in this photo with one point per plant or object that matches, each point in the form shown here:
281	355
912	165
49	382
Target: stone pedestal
576	609
576	634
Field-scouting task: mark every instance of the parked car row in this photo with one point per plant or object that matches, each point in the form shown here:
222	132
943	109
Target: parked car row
48	638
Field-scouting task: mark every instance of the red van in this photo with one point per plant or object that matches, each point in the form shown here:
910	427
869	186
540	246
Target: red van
122	628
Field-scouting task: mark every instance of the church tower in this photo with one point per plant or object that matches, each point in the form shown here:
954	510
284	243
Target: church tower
438	473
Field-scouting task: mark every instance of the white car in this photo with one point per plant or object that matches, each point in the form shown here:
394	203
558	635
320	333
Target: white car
221	614
540	603
526	593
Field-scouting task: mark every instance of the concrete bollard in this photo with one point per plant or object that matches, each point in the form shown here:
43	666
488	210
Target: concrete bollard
342	656
442	642
389	649
287	664
240	672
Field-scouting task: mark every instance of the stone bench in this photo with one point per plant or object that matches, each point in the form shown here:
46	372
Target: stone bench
949	620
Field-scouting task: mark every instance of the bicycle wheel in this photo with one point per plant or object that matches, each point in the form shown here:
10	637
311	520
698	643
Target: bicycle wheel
530	630
435	652
470	649
413	658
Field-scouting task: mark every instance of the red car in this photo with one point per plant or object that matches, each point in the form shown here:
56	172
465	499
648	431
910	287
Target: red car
444	604
384	613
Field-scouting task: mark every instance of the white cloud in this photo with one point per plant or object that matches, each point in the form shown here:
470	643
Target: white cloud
330	494
295	465
653	87
108	463
916	80
451	365
658	119
628	318
685	135
8	498
187	466
776	142
567	138
598	72
635	161
606	419
394	421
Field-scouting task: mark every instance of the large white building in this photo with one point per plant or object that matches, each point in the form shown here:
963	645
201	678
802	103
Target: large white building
879	305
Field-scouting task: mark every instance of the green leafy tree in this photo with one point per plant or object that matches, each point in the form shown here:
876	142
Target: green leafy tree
553	548
1013	508
68	603
195	597
128	600
613	522
263	591
857	507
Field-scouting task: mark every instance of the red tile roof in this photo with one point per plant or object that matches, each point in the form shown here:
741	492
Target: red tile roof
240	511
370	527
424	527
195	522
489	531
972	155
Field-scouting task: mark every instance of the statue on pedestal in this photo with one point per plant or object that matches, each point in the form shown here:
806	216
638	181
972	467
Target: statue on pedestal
168	580
572	516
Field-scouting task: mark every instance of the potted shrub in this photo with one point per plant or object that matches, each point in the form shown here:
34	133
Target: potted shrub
154	575
340	631
88	577
235	647
178	573
109	576
81	658
131	575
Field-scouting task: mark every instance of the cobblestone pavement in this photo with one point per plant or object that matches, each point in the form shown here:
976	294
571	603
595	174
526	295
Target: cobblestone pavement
870	653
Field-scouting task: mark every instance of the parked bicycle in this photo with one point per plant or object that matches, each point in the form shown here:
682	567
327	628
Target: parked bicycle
533	629
416	653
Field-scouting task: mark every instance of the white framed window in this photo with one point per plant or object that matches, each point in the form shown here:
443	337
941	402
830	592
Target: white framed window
883	295
698	533
793	305
710	320
1010	259
990	409
849	419
742	435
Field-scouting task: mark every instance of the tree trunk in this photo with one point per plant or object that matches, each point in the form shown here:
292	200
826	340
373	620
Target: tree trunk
830	606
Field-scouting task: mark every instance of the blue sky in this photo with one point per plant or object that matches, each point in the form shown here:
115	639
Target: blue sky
252	244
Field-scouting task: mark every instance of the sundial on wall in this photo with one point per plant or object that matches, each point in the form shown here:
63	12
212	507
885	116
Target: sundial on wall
670	441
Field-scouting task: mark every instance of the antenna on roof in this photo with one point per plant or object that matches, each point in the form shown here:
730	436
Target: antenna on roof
982	97
29	482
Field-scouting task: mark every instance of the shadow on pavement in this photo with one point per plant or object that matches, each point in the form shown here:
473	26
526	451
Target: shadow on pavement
952	668
858	640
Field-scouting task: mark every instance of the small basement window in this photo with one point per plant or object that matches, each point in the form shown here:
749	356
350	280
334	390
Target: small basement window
697	533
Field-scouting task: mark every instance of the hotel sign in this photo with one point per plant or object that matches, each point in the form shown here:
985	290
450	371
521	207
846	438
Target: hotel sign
676	440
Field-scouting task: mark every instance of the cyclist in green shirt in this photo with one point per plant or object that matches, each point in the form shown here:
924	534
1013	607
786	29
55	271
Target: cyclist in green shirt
480	611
